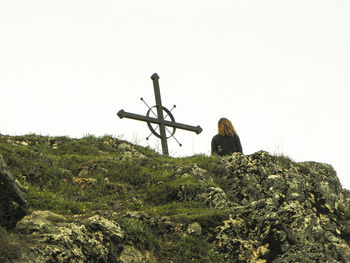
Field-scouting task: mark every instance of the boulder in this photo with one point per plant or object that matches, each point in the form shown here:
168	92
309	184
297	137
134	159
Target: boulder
130	254
215	198
13	206
93	239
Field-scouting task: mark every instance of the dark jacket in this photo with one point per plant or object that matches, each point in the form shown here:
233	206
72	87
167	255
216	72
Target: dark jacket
225	145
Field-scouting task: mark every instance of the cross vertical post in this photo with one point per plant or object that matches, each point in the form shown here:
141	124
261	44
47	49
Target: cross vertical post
159	105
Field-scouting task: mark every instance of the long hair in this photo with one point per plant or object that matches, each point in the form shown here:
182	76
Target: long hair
226	128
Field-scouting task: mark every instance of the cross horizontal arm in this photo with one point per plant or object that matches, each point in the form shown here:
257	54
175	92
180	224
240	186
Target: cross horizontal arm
123	114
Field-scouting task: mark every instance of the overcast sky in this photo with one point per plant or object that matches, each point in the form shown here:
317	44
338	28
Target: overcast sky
279	70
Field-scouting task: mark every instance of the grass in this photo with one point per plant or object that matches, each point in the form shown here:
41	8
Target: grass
11	246
58	202
284	160
195	249
139	233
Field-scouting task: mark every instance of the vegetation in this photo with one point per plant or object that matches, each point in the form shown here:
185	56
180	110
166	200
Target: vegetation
90	176
10	245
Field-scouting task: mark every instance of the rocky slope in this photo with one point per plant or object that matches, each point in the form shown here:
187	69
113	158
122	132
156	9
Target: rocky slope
104	200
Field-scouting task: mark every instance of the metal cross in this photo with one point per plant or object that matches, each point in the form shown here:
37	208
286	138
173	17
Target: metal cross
160	120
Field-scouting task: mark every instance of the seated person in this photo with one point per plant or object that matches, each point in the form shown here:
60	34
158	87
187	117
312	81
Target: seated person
227	141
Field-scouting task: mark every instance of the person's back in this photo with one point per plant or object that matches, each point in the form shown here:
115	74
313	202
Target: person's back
227	141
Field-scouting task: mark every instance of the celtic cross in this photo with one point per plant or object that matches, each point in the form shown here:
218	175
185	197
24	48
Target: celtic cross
160	120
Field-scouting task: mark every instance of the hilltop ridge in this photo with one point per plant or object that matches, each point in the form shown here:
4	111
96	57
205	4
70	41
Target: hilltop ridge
100	199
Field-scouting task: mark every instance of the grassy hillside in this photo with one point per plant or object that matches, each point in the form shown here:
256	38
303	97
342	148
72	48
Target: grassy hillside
104	175
103	200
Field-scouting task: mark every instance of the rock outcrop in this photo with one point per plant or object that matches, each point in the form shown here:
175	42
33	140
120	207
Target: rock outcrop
94	239
13	206
297	213
56	238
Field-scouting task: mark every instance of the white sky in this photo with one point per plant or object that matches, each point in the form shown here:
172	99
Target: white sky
279	70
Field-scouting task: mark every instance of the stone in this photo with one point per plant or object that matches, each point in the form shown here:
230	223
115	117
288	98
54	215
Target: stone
129	152
59	239
194	229
193	171
215	197
13	205
130	254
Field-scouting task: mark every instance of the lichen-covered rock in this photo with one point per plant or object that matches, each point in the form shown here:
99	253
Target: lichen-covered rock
13	206
215	197
129	152
194	229
95	239
193	171
286	214
202	189
130	254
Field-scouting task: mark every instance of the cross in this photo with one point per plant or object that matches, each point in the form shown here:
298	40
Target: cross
160	120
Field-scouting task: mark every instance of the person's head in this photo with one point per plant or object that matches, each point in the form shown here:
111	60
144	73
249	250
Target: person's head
226	128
